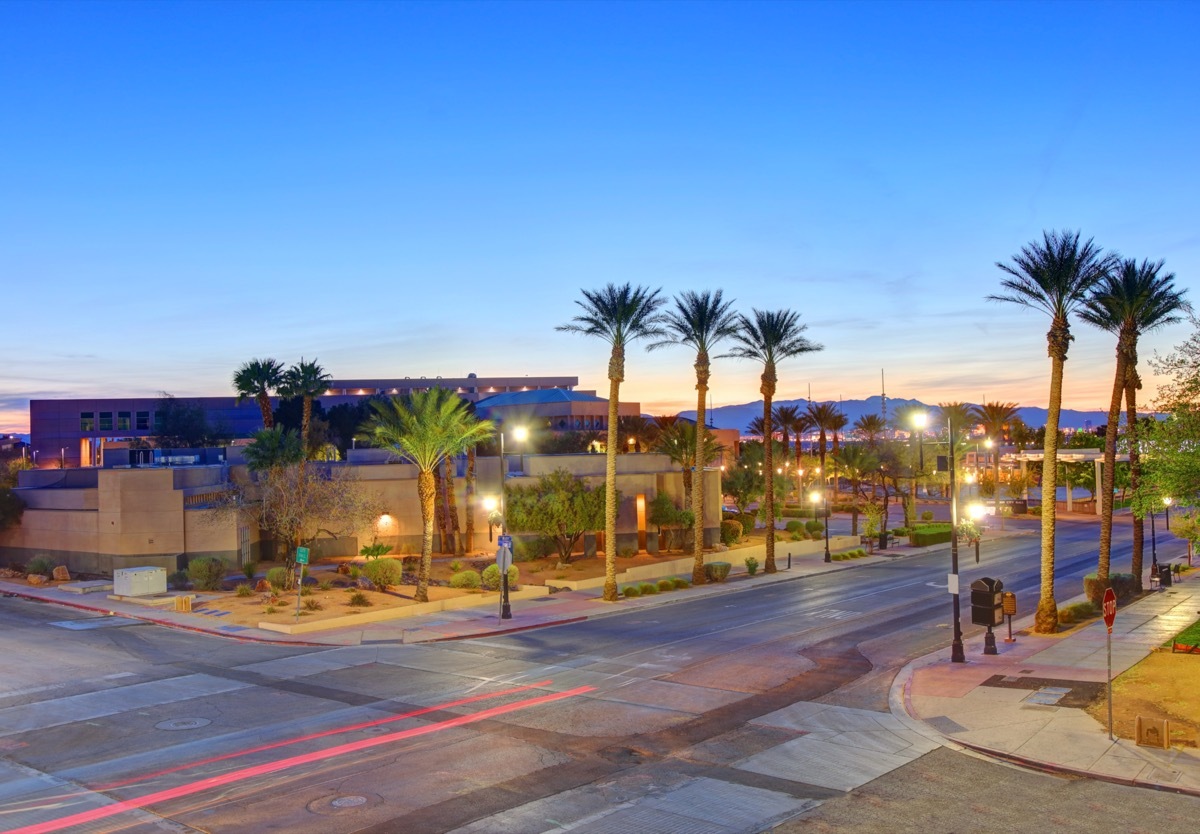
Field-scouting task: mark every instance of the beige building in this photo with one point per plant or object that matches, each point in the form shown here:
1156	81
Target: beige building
101	520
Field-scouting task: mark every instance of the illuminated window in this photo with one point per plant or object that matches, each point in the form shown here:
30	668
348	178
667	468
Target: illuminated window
106	423
123	420
87	421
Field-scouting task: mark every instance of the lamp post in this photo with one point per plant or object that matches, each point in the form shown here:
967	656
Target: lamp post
1153	547
976	513
490	505
819	497
1167	511
503	555
956	645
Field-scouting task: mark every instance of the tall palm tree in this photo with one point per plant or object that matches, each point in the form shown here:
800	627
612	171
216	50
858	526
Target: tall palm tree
1054	276
639	433
757	428
618	315
994	417
426	428
870	428
957	418
307	380
801	426
835	426
258	378
1133	299
770	337
784	418
823	416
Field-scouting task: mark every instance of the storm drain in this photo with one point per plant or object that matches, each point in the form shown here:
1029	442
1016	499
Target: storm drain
182	724
1047	696
340	804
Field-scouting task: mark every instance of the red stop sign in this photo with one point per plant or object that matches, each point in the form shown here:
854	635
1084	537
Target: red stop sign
1110	608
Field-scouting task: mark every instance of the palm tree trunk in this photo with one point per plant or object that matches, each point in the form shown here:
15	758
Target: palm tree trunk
264	405
1132	383
1046	618
768	392
305	421
452	509
439	487
426	492
698	462
610	477
469	495
1108	475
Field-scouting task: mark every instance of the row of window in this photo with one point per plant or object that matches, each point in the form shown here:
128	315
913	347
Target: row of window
140	421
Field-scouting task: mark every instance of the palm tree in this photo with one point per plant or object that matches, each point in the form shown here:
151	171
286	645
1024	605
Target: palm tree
1054	276
994	417
1133	299
858	464
426	428
823	416
836	425
957	417
801	426
770	337
870	428
785	418
757	428
618	315
639	433
677	441
306	380
258	378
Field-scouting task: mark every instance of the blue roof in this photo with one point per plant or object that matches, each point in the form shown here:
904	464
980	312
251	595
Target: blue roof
544	396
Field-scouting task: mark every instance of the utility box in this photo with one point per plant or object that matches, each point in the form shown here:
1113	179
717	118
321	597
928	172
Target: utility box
987	602
139	582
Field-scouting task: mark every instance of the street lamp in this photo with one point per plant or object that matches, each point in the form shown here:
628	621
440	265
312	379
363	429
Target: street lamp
819	496
956	644
490	504
1167	510
976	513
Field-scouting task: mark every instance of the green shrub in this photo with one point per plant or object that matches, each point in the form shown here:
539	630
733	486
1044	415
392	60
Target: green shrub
751	565
647	588
1076	612
814	528
748	521
270	609
798	536
374	551
665	585
632	591
927	534
456	566
794	526
1034	509
325	584
526	549
1121	583
249	569
680	582
359	600
178	580
467	580
355	572
384	572
491	577
927	515
731	532
626	552
900	531
313	605
206	573
41	565
244	590
1190	636
716	571
278	577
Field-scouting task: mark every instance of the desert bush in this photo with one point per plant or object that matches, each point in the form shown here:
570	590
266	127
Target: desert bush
731	531
716	571
1034	509
456	566
178	580
313	605
1121	583
680	582
632	591
249	569
358	600
374	551
245	590
751	565
41	565
270	609
665	585
325	584
491	577
278	577
206	573
467	580
1076	612
384	572
793	526
927	515
647	588
798	536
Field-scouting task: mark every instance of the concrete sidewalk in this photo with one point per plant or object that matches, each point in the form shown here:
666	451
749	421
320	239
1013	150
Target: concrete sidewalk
1024	705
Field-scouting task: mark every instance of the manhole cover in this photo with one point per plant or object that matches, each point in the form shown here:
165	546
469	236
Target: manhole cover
349	801
182	724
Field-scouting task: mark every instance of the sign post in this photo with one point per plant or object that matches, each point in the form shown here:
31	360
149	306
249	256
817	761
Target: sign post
1110	616
504	561
301	561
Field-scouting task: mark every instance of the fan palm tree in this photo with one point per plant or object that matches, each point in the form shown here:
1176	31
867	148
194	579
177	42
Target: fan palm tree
757	428
639	433
426	428
957	417
618	315
1055	276
994	417
801	426
784	418
823	416
870	428
306	380
858	464
770	337
1133	299
258	378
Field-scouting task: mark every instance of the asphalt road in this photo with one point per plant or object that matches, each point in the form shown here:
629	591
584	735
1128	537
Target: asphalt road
596	726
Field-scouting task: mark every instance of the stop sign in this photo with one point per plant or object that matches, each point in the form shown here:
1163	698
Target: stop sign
1110	608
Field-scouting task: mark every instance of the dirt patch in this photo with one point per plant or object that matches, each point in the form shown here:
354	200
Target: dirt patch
1165	685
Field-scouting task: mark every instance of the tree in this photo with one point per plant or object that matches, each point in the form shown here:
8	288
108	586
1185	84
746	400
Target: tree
11	468
1172	467
678	442
1131	300
258	378
770	337
182	424
11	508
857	464
743	484
306	380
619	315
1055	277
870	428
823	415
639	433
559	506
425	428
273	447
957	418
664	515
995	417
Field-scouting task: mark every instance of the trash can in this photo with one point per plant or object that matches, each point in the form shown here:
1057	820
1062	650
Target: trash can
883	540
1164	575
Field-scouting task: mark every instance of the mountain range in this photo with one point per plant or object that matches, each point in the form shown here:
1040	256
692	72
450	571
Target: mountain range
739	416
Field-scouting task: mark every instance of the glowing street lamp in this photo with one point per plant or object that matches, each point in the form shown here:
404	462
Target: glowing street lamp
818	497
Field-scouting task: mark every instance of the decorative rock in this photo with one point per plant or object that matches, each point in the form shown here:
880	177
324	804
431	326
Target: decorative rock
36	579
365	584
61	574
263	587
343	568
10	573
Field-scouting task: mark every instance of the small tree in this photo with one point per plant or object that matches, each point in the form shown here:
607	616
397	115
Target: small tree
664	515
559	506
11	508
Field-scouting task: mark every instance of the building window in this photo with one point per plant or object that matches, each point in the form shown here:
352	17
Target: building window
87	421
123	420
106	421
143	421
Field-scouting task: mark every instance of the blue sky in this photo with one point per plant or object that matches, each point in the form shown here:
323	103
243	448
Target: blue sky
423	188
